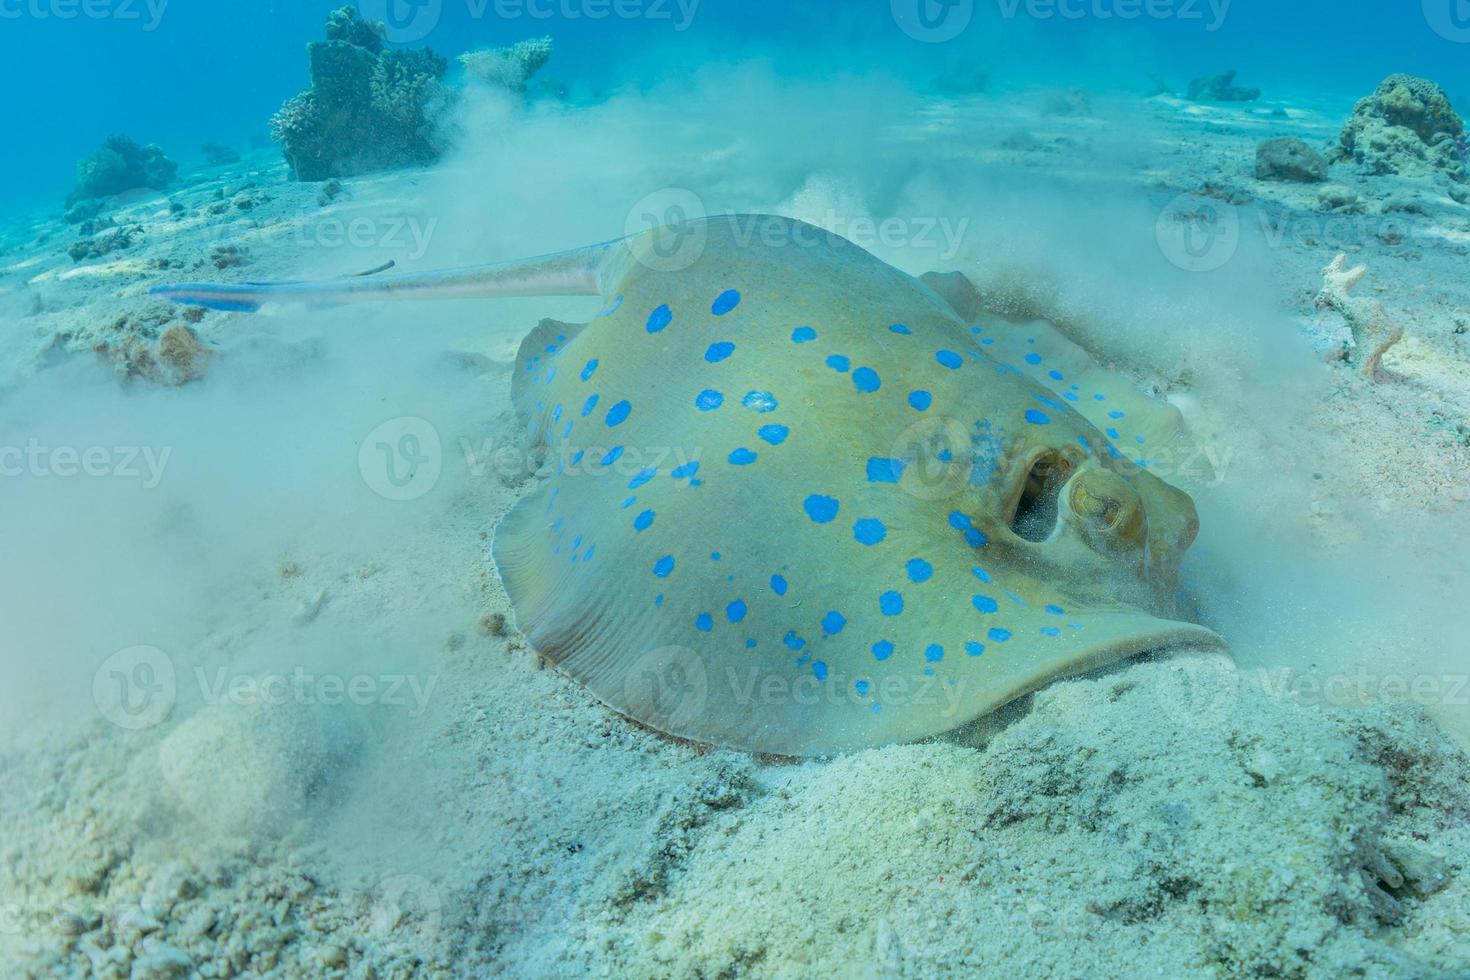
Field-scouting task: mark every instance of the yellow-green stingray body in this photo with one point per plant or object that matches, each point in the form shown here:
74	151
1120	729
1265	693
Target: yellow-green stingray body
797	507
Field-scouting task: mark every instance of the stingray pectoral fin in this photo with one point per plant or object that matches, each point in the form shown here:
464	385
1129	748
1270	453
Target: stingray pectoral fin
574	273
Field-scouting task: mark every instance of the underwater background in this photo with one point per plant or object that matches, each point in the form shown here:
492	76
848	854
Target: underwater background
270	706
186	72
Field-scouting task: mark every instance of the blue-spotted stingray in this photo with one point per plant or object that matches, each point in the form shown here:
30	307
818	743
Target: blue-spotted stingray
799	505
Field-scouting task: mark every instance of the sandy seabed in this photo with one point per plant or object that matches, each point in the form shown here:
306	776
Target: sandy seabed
356	767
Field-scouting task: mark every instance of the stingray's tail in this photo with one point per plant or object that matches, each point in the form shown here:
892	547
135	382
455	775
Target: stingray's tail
574	273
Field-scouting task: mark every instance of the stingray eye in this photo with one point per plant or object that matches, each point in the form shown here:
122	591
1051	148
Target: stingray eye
1102	511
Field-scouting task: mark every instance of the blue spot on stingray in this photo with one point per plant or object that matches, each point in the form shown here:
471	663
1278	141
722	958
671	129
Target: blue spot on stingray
590	369
862	688
1140	440
684	472
617	303
778	584
920	400
959	520
618	414
890	603
590	552
718	352
613	455
643	477
1056	610
802	335
1115	415
934	654
838	362
708	400
750	644
1113	434
1050	631
998	635
1056	376
833	622
643	521
589	405
664	566
1082	441
568	430
882	650
792	640
820	669
975	538
1037	418
985	604
714	556
774	434
869	531
900	328
704	622
821	509
725	302
981	574
866	379
742	457
949	359
885	470
577	456
919	570
1033	358
658	600
660	318
759	401
974	649
556	414
736	610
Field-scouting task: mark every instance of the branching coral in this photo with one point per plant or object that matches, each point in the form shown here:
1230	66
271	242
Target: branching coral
1373	332
368	108
509	68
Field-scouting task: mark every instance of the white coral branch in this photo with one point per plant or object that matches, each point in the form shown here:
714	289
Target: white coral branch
1373	332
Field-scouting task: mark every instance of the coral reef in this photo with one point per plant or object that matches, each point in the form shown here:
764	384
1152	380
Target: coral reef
1407	127
112	239
509	68
1373	332
1290	159
1221	88
218	155
368	108
120	165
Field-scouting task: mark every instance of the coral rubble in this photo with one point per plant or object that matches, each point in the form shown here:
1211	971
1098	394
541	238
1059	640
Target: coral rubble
1290	159
218	155
1221	88
1407	127
368	108
1373	332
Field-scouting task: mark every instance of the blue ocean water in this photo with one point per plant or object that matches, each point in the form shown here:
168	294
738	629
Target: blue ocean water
182	73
